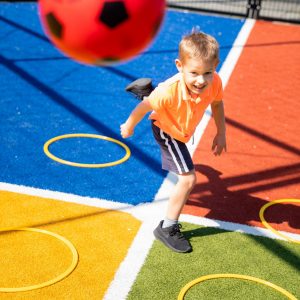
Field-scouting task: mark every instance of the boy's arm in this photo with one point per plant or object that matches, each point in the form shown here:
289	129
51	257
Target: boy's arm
127	129
219	142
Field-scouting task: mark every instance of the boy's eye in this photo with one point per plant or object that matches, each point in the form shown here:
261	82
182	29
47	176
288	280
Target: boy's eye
205	74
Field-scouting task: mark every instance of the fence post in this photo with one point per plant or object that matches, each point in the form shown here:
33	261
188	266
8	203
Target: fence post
253	8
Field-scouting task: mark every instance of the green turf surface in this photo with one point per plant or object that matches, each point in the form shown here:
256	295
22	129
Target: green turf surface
165	272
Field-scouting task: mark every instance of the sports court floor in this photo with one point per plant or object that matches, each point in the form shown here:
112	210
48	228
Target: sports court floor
108	214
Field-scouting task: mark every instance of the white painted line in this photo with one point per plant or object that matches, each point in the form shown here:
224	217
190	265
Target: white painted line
131	265
235	52
257	231
148	213
102	203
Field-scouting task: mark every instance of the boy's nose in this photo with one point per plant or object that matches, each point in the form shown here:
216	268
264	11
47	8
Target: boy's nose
200	79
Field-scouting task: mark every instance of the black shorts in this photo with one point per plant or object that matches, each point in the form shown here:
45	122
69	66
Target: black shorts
175	156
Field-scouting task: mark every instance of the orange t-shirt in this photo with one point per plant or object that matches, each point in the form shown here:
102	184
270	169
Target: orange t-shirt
176	112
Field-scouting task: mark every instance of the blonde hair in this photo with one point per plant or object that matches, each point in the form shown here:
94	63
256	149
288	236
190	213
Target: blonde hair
199	45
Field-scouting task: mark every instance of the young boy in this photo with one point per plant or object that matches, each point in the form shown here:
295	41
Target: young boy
177	106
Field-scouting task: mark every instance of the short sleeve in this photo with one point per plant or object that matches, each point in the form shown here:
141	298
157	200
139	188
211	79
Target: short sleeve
218	88
159	98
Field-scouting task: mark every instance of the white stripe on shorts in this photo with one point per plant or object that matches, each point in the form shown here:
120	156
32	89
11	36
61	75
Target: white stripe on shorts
185	168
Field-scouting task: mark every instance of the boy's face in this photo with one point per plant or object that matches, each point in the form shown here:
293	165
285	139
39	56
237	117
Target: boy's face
197	74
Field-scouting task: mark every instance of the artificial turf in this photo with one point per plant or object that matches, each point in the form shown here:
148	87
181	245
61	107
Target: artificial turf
216	251
101	237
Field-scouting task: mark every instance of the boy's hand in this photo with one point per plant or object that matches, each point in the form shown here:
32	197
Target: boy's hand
135	117
126	131
219	144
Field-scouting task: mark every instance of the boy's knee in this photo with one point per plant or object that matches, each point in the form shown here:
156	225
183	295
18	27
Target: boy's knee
189	180
193	180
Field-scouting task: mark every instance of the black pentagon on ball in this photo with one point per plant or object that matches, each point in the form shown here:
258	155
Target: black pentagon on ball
113	13
54	25
107	61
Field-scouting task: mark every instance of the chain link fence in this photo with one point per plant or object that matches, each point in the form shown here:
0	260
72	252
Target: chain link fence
277	10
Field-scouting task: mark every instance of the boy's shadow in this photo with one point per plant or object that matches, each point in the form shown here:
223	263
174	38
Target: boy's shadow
203	231
238	206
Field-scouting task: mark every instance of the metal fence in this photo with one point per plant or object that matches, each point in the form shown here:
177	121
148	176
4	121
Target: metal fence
280	10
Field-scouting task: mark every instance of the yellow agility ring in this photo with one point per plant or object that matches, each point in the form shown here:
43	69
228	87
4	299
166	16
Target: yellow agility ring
267	225
237	276
86	135
54	280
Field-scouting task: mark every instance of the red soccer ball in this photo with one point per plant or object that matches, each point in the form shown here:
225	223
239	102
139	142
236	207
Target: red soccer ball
101	32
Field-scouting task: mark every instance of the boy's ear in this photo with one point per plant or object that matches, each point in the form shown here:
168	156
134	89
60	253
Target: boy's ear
178	64
216	63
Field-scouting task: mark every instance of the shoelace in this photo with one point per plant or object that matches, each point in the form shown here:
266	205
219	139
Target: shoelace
176	231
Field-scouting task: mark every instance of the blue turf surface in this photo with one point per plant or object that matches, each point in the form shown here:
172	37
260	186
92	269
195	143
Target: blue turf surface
44	94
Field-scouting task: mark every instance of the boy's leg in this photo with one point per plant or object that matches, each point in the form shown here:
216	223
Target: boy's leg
175	158
168	231
182	190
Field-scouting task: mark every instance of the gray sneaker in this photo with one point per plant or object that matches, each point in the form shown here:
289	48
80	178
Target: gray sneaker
172	238
140	88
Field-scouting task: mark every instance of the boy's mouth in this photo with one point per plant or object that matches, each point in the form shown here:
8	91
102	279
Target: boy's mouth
200	88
